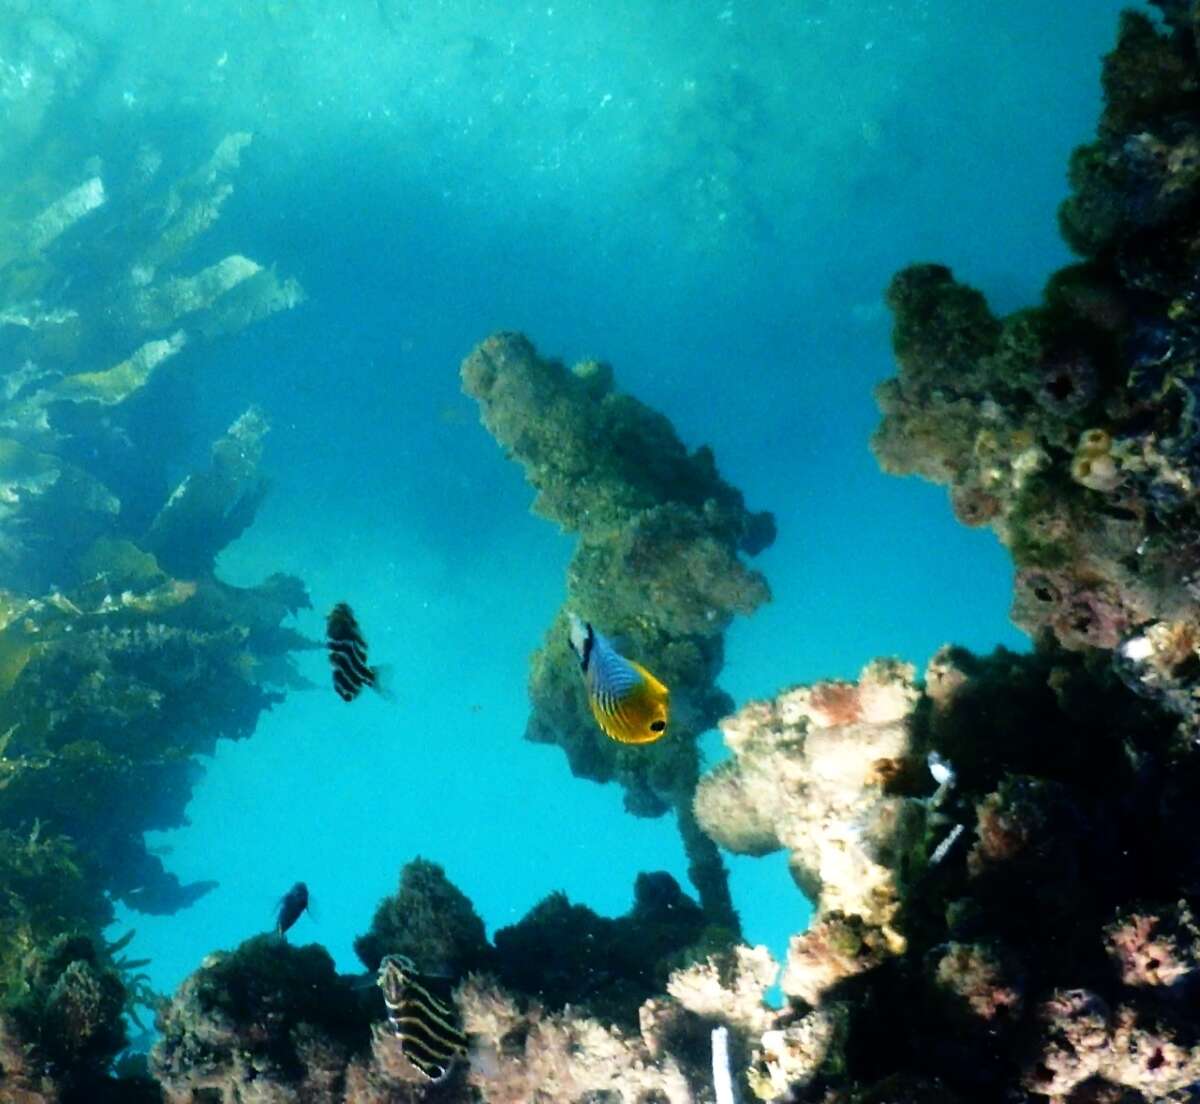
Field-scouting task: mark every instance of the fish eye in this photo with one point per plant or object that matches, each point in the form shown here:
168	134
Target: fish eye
657	726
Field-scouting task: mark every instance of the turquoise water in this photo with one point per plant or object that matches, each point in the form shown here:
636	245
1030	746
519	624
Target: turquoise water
711	196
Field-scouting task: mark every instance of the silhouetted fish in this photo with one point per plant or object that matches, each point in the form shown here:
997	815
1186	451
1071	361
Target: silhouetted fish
292	906
348	653
628	702
426	1027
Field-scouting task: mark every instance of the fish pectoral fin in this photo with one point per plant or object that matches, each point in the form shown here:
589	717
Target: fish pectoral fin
384	684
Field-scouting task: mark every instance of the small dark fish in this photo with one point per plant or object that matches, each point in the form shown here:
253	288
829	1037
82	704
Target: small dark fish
292	905
348	654
427	1028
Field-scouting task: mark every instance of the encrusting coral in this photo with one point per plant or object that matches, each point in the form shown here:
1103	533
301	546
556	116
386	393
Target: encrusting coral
658	566
267	1021
969	930
816	771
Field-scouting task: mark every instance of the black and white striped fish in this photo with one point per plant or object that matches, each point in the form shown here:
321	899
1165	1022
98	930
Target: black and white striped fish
428	1028
348	654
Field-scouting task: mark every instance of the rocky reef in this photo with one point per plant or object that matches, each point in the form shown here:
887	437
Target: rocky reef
1002	850
1004	853
995	935
122	655
658	566
1070	428
558	1008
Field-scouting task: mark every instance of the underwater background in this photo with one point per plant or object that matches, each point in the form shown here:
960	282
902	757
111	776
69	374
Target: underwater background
709	196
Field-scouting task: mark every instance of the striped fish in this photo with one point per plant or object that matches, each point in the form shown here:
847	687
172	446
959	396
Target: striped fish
347	653
628	702
426	1027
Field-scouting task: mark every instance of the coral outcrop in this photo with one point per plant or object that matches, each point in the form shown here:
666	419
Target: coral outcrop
822	772
1022	925
1070	428
565	1010
658	566
1017	922
267	1021
430	921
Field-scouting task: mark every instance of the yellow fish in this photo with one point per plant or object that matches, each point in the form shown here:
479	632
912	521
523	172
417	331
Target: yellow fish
628	702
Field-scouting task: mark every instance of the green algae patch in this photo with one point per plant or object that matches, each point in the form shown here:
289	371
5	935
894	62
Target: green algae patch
122	561
116	384
565	954
267	978
23	468
940	324
15	653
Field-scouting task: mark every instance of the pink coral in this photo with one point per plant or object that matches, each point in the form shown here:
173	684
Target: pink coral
972	505
1085	1045
1084	611
836	703
834	948
975	974
1002	834
1154	948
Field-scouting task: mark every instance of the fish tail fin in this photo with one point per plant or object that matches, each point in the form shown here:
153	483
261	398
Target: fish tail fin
484	1060
384	681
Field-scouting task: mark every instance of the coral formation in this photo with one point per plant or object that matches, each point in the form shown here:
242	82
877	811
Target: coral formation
1021	926
566	955
810	773
1070	428
430	921
658	566
563	1056
266	1014
563	1011
816	771
559	953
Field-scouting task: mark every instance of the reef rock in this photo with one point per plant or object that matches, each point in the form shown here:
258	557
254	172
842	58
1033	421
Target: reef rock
810	773
430	921
272	1022
658	566
1070	428
266	1022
